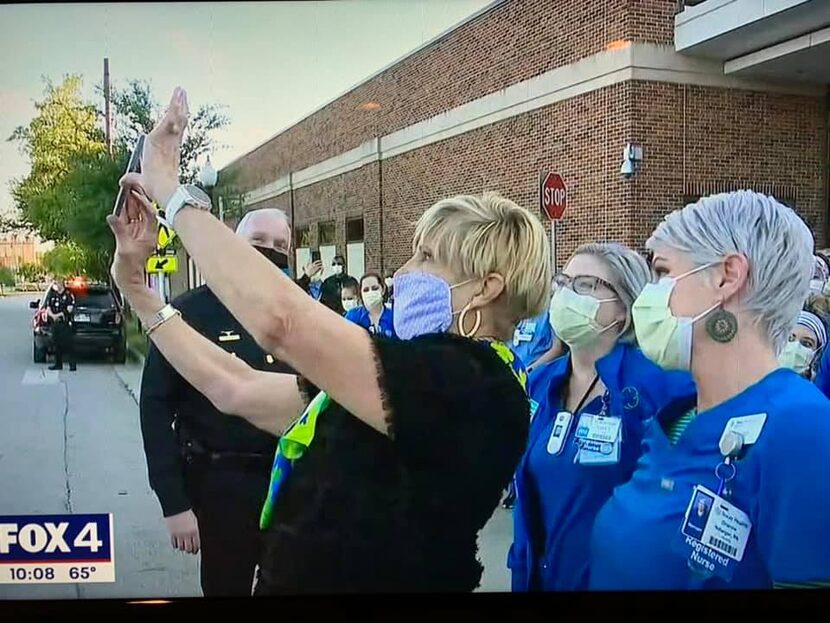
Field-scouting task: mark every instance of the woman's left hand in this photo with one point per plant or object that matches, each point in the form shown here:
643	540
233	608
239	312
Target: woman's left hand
136	233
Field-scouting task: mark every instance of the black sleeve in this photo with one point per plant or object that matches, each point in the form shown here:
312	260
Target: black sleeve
304	282
330	295
455	409
157	406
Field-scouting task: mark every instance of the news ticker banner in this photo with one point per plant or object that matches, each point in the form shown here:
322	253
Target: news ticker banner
56	549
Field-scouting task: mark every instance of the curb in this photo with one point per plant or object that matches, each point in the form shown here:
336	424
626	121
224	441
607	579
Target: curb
135	355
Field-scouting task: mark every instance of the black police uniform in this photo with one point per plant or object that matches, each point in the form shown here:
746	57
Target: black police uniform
62	328
199	458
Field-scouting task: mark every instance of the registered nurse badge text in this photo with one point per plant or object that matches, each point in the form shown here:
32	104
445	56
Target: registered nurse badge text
56	549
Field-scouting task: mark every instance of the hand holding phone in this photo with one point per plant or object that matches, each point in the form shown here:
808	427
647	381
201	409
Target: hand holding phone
315	255
133	166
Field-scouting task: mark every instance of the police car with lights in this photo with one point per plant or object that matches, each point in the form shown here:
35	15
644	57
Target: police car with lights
97	318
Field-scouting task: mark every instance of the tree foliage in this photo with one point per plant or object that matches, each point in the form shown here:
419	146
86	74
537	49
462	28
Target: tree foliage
66	259
6	276
30	272
73	180
63	128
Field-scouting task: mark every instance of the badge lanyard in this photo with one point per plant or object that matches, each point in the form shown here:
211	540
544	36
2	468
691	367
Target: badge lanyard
587	393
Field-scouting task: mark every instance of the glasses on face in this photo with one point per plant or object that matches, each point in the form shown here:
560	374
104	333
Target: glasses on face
583	284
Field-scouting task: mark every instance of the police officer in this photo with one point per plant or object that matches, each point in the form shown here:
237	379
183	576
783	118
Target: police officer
60	304
209	470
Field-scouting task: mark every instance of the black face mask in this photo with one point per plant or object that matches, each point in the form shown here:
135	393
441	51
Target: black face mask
277	258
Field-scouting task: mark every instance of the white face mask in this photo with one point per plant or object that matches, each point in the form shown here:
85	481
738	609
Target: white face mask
338	269
349	304
373	299
796	356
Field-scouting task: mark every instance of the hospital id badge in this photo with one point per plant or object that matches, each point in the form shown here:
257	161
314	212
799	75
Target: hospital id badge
713	535
598	438
604	429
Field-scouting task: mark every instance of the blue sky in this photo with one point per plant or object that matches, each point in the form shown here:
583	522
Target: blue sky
271	63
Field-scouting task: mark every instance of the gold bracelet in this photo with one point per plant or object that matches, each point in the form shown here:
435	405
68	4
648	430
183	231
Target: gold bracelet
163	315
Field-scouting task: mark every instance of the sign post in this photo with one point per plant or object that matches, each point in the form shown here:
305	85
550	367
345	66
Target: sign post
553	199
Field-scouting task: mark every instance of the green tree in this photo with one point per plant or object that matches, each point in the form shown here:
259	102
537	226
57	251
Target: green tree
6	277
63	128
30	272
66	259
74	179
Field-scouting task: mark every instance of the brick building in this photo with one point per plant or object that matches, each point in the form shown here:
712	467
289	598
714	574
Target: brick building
719	94
17	249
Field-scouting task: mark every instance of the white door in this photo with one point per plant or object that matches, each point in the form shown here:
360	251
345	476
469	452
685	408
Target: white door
355	259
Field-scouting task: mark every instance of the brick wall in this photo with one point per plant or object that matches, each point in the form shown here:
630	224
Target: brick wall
351	195
691	135
518	39
574	138
728	138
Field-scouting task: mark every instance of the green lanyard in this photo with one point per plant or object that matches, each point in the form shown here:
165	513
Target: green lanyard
298	437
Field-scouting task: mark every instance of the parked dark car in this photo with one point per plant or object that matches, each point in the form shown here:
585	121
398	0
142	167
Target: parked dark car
98	320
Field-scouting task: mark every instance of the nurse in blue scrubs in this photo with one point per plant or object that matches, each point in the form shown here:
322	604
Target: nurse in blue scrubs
373	315
532	338
820	289
806	344
593	402
732	490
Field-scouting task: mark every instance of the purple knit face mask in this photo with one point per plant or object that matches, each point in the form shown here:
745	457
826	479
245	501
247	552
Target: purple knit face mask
423	304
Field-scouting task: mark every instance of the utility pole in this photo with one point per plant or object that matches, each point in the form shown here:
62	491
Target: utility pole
108	119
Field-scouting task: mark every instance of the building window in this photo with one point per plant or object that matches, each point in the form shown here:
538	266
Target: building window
302	237
354	230
326	234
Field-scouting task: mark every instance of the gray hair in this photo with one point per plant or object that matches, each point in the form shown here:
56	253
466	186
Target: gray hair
630	273
774	239
275	212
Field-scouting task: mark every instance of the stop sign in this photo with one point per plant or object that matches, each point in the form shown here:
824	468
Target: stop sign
554	196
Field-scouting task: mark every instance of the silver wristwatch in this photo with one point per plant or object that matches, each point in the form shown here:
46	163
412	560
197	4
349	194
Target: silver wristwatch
186	194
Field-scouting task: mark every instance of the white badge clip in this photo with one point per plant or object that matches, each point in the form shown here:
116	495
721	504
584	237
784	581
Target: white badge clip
559	433
749	427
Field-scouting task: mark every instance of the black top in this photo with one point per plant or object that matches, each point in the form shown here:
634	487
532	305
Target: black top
165	395
330	292
60	302
363	512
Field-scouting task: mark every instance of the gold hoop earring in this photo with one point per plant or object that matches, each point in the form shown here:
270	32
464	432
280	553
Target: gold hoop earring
461	318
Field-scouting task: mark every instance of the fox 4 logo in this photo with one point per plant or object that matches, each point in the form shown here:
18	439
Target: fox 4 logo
48	537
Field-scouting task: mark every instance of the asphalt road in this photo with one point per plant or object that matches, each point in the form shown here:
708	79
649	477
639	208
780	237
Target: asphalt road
70	443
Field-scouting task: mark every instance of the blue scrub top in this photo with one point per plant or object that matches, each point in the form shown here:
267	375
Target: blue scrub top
822	379
360	316
557	499
532	338
782	483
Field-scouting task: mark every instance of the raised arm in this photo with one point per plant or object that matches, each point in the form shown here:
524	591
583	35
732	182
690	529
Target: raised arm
268	400
332	353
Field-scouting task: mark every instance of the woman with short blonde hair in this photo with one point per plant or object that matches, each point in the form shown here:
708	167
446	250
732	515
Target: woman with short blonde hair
391	433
